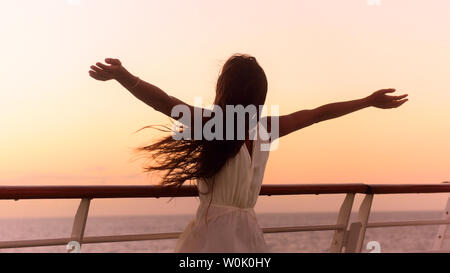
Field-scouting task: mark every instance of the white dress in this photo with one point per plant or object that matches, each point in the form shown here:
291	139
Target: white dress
231	224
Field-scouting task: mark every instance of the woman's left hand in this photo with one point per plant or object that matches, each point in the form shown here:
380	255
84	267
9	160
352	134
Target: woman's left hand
380	99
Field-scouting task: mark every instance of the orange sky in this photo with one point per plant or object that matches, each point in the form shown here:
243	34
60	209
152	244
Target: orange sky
61	127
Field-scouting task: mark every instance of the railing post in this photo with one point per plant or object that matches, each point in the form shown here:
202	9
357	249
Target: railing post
357	232
79	223
351	239
440	236
343	218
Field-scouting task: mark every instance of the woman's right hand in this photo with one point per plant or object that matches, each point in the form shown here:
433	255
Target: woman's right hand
103	72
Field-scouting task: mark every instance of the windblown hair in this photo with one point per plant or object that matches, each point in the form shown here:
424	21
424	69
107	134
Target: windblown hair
241	82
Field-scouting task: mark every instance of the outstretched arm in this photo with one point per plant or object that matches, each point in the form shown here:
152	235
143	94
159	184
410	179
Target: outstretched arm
144	91
300	119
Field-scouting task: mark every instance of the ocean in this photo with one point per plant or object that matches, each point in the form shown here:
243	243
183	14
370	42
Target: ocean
393	239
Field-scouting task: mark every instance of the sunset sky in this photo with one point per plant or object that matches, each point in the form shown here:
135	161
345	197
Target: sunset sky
61	127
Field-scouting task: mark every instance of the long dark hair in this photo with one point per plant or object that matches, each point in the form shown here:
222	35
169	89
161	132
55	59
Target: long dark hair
242	81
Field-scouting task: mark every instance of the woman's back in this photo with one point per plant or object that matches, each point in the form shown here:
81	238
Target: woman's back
238	183
225	219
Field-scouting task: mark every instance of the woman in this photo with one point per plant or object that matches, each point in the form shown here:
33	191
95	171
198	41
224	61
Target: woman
229	172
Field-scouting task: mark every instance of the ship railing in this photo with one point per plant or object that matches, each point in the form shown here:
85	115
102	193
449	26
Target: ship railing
348	237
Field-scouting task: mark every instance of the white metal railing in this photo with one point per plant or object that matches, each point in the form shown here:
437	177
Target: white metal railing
347	238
